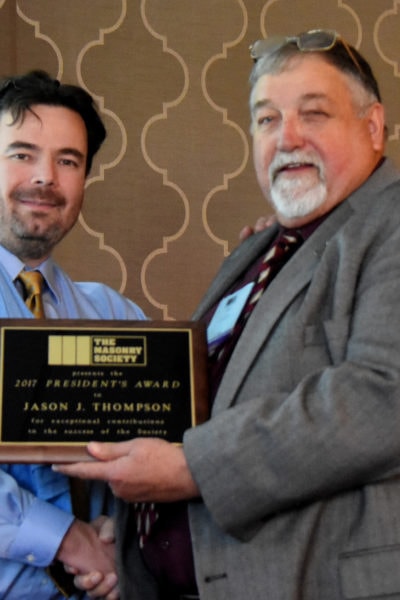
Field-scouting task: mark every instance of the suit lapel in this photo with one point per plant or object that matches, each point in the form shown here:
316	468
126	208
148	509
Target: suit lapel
233	267
289	282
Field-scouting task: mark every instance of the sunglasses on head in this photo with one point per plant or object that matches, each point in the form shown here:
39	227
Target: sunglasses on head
316	40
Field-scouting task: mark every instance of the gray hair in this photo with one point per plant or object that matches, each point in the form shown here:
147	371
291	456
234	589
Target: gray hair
365	91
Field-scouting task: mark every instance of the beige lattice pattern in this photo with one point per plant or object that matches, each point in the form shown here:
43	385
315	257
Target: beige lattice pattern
174	182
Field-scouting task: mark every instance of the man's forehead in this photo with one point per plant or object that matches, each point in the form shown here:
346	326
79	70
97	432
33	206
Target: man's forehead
54	128
12	128
7	118
55	120
39	114
302	79
10	122
301	99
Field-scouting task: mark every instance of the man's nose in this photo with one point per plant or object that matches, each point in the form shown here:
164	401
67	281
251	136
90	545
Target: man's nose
44	173
290	134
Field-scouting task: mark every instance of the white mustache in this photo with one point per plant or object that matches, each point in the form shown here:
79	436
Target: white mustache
284	160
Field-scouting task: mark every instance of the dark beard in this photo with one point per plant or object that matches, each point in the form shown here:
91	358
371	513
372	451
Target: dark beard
34	247
28	244
32	243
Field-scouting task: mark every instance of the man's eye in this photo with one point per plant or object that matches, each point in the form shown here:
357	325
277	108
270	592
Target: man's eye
317	114
266	119
20	156
69	162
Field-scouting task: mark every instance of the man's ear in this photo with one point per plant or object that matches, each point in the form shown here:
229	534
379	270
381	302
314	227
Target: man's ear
376	125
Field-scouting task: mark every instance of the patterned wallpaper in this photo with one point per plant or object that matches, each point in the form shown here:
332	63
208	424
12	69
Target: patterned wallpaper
174	182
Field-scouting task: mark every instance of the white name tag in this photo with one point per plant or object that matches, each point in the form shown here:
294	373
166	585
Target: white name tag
226	316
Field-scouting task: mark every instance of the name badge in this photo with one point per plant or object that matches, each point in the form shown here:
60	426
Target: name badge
226	316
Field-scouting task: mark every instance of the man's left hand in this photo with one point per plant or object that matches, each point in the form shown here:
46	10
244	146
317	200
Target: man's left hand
139	470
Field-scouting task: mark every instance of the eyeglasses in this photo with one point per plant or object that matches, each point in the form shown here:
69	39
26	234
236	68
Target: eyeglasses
316	40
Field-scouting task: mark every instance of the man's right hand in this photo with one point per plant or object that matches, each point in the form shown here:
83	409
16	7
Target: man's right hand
88	552
98	585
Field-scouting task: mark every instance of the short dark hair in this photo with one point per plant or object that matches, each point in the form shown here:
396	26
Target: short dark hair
18	94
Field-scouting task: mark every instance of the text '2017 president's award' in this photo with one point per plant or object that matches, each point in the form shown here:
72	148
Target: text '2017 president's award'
65	383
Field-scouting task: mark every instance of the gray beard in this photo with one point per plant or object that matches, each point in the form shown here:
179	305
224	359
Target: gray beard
292	199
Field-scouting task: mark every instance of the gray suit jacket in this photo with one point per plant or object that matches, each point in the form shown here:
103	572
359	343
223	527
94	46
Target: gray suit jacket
299	466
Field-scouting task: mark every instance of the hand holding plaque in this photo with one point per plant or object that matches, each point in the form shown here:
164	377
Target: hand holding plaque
138	470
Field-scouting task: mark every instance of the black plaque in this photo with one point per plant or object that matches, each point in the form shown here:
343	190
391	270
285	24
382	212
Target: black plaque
64	383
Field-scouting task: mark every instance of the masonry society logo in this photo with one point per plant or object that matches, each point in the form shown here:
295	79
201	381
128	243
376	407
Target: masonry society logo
89	350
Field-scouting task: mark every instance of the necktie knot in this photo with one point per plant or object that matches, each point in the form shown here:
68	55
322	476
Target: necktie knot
32	282
279	253
285	245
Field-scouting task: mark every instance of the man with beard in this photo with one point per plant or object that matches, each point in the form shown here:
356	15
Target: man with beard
49	134
293	484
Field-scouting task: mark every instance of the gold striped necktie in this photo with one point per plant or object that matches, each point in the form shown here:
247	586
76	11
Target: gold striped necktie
32	282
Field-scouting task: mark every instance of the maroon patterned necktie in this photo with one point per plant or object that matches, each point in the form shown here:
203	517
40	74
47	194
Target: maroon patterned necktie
277	255
146	515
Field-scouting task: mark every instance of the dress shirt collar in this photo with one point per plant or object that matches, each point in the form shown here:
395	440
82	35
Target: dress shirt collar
306	230
13	266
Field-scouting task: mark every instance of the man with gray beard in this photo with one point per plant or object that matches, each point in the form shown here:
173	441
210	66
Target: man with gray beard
293	484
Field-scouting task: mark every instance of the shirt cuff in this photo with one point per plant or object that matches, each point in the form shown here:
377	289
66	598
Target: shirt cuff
40	534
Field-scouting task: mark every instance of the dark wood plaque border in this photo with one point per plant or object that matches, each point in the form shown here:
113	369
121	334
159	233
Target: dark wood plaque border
26	451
